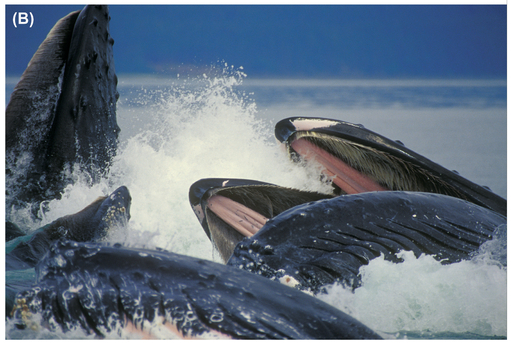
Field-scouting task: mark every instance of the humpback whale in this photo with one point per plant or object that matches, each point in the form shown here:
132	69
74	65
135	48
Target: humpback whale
62	111
361	160
327	241
231	209
24	251
102	288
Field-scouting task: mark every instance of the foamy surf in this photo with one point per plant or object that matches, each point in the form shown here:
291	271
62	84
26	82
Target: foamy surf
421	296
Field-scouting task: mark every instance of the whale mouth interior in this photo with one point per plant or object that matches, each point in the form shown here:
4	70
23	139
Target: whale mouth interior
350	180
241	218
357	168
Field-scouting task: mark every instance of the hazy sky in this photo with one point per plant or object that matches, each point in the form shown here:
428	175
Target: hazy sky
399	41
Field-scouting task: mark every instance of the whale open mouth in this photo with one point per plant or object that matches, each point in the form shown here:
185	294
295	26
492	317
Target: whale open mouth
232	209
358	160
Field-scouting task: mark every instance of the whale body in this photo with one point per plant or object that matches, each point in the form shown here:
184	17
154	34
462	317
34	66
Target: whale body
62	112
327	241
25	250
106	288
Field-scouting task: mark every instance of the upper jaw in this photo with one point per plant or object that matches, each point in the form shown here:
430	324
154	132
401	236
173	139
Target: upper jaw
388	163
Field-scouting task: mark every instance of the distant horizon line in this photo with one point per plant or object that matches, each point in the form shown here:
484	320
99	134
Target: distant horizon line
148	79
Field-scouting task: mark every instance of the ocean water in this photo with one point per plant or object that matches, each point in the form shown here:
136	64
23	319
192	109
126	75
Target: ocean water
178	130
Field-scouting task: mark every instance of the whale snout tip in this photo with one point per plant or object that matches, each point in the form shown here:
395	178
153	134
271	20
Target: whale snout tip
199	188
284	129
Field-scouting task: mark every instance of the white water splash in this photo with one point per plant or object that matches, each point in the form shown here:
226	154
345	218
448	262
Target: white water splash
423	295
201	128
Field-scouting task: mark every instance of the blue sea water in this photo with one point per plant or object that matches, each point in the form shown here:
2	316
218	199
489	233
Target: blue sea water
175	131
